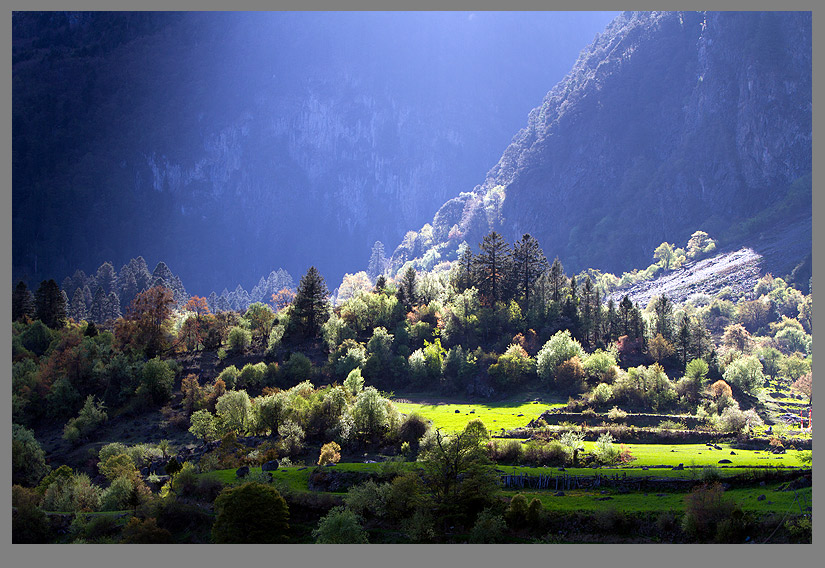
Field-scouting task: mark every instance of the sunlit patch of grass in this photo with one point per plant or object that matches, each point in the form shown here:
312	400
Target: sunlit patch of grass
495	416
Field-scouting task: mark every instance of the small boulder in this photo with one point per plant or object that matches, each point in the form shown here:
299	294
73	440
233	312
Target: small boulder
761	497
725	461
679	467
242	471
457	411
270	466
732	453
473	411
558	494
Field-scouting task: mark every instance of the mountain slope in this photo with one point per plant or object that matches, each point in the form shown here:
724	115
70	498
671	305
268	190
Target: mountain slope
668	123
230	144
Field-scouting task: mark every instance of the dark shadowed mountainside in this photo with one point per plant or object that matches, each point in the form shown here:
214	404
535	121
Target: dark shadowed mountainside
231	144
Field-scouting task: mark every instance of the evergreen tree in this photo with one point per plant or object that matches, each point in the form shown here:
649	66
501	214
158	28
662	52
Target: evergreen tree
112	306
587	312
406	289
311	304
683	339
625	315
50	305
663	310
98	309
529	263
598	331
105	277
493	266
378	261
77	309
22	302
557	280
465	277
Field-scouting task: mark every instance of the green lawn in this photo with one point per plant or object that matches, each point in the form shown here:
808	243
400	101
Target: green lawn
590	500
495	416
700	454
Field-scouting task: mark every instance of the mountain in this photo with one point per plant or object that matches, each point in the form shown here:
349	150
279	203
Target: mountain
232	144
668	123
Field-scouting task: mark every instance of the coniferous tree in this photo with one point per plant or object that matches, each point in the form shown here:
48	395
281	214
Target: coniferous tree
378	261
557	280
663	309
586	322
611	322
493	266
529	263
625	315
406	289
464	279
106	278
311	304
22	302
50	304
598	331
112	306
77	307
98	309
683	339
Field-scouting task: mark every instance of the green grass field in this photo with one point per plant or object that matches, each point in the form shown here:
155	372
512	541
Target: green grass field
495	416
748	498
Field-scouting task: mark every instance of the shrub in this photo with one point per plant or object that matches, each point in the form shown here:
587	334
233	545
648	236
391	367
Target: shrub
252	512
340	525
368	498
605	451
292	437
746	374
229	376
706	507
616	414
505	451
239	339
412	428
330	453
541	453
489	528
516	513
156	381
602	394
534	511
145	532
186	480
28	458
559	348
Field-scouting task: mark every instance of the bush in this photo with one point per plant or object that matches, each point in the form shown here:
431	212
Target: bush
516	513
28	458
145	532
253	513
616	414
705	508
505	451
559	348
229	376
602	394
541	453
489	528
330	453
239	339
605	451
157	379
185	481
340	525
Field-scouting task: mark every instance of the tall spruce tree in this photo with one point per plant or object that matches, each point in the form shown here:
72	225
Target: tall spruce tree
529	263
50	304
406	293
311	304
557	280
22	302
378	261
493	266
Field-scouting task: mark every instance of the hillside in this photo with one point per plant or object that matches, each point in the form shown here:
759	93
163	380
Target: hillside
232	144
668	123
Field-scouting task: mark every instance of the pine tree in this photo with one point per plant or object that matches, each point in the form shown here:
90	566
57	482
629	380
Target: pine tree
529	263
77	309
683	340
587	312
22	302
557	280
105	277
98	311
311	303
625	313
493	267
378	261
406	289
663	308
465	278
50	304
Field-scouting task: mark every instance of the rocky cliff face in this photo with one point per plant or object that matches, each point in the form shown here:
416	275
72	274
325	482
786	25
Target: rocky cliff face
233	144
668	123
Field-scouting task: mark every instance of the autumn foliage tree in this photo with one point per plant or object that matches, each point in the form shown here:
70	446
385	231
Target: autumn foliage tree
146	324
803	384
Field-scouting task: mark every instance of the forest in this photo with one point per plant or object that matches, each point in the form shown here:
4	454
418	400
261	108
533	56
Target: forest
143	414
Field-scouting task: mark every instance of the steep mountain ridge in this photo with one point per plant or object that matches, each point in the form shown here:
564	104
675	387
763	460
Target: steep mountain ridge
668	123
